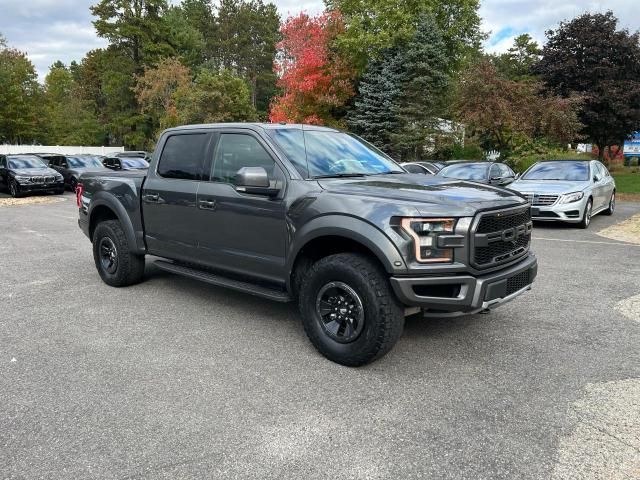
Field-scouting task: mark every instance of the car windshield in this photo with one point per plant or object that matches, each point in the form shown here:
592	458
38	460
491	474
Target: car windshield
332	154
25	162
84	162
134	163
565	170
465	171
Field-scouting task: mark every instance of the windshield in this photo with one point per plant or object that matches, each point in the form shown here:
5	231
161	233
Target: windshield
329	154
134	163
25	162
465	171
84	162
567	170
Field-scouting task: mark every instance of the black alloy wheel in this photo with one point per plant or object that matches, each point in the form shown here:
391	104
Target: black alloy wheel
14	190
108	255
340	312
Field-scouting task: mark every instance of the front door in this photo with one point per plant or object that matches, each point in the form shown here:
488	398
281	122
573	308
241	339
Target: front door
239	232
169	196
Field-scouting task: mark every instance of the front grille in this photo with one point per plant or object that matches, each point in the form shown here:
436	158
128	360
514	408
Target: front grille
540	200
501	236
518	282
42	180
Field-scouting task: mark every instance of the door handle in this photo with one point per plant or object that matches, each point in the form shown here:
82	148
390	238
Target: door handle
152	197
207	204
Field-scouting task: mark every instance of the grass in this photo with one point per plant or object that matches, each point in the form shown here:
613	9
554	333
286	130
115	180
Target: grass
627	183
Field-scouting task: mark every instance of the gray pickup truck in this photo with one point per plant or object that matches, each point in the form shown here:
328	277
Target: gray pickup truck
314	215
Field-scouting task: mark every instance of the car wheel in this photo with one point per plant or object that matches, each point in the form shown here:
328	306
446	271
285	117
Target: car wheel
14	189
115	262
349	310
612	204
73	184
586	216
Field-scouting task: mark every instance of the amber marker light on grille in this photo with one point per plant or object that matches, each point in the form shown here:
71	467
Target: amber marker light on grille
425	233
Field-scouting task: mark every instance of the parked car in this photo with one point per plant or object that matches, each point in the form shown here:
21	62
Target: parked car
134	154
568	191
22	174
315	215
125	163
489	173
72	166
426	168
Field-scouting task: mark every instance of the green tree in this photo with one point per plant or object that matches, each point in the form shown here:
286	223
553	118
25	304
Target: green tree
375	25
20	97
588	56
69	118
401	94
135	27
214	97
188	42
517	63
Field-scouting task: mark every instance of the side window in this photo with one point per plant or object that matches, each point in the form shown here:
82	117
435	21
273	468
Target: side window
183	155
237	150
414	168
505	171
603	169
495	171
3	162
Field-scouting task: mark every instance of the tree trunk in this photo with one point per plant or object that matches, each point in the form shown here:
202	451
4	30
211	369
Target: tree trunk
600	152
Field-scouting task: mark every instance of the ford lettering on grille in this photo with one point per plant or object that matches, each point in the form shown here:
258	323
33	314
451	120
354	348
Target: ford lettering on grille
499	237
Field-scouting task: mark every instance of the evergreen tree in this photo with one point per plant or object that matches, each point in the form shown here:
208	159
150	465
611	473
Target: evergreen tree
424	80
375	114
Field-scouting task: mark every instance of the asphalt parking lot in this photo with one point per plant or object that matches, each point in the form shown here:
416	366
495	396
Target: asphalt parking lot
174	379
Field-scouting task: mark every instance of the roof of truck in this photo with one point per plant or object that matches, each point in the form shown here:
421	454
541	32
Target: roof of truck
252	125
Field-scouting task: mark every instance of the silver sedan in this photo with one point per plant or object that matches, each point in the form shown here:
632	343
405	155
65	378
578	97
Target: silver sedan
568	190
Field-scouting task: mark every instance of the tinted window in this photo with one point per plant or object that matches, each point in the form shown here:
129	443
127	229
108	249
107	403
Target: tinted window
26	161
465	171
182	156
568	170
84	162
291	141
133	162
414	169
3	162
236	151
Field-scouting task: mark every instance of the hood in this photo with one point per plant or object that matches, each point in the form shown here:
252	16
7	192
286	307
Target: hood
424	190
548	186
34	172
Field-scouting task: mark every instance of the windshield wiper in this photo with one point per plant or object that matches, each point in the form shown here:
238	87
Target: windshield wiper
340	175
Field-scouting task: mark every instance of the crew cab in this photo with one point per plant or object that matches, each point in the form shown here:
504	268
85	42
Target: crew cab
313	215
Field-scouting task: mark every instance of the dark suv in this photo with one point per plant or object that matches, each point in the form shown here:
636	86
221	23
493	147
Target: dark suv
313	215
22	174
71	166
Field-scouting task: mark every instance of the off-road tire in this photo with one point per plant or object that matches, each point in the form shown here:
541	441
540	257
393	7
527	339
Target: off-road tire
612	204
383	313
129	268
586	216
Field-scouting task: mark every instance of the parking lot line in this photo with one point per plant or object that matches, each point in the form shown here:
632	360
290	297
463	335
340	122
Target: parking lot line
585	241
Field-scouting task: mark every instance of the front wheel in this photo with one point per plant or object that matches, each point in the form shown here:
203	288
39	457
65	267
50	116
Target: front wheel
349	310
14	189
612	204
586	216
115	262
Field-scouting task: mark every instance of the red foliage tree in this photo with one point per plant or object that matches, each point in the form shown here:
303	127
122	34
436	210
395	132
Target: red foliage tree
316	81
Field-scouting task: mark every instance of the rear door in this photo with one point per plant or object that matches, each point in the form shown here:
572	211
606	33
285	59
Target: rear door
599	185
169	195
240	232
607	183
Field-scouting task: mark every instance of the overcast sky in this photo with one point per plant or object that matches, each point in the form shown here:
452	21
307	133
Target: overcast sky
50	30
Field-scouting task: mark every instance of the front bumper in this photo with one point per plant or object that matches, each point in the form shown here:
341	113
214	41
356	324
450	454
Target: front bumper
464	294
560	212
41	187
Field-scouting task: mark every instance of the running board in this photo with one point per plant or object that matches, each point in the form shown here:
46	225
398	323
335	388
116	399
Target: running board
220	281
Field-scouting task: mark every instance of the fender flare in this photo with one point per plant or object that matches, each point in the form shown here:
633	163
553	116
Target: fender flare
354	229
112	203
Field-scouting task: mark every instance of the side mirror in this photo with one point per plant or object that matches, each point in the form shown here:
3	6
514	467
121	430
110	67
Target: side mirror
255	180
517	176
64	165
596	178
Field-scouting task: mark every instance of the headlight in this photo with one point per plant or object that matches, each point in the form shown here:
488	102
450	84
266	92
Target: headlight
22	179
571	197
59	177
425	233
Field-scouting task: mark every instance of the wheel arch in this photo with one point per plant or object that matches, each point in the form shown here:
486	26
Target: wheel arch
105	208
332	234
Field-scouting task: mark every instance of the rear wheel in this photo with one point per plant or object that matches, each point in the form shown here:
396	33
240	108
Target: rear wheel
348	309
115	262
612	204
586	216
